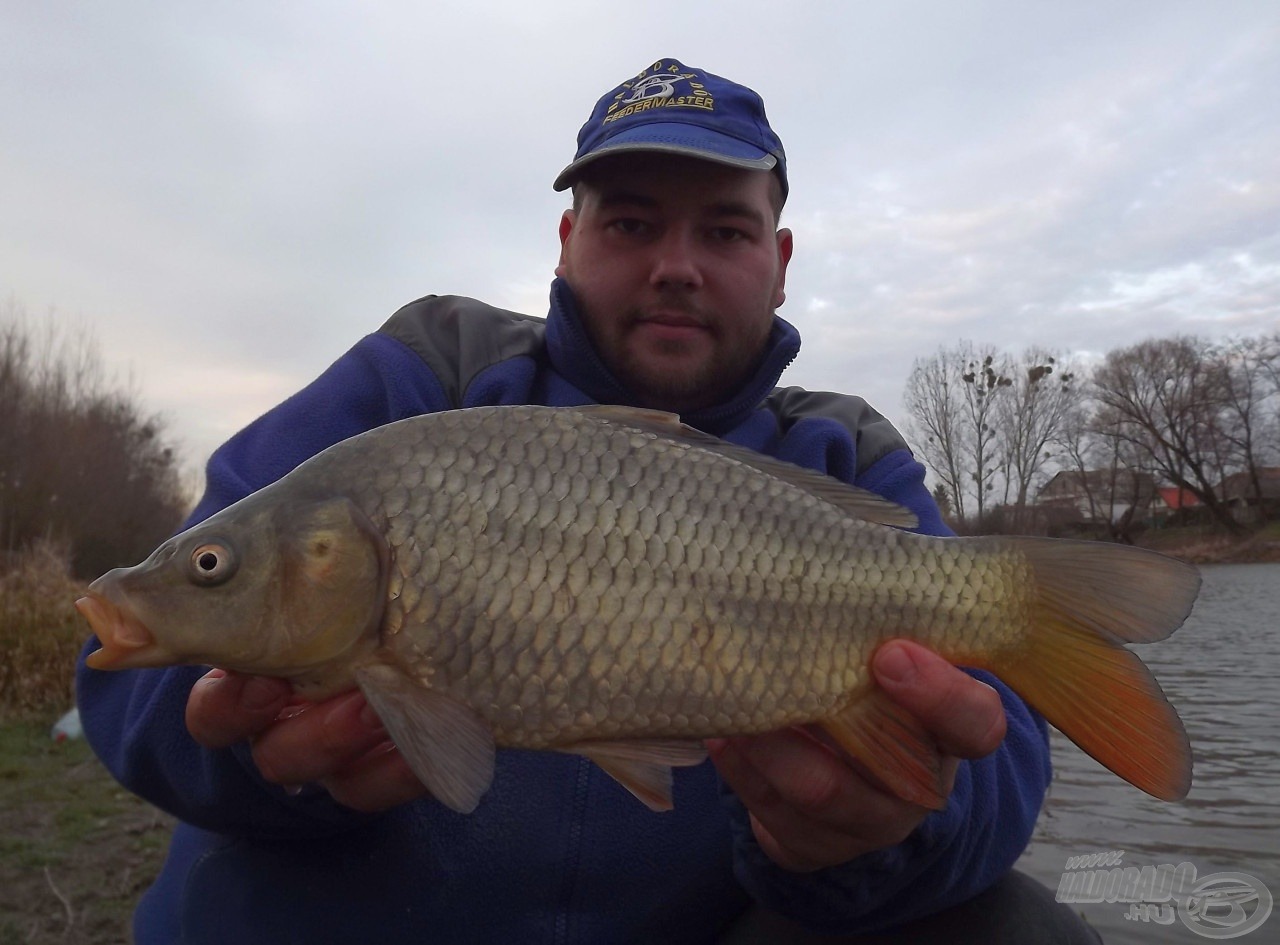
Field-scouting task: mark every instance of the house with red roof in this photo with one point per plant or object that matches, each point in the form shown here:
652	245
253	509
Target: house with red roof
1176	498
1098	495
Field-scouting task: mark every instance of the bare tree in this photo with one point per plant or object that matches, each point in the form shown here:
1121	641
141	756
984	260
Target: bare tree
1030	418
1251	385
1113	475
1164	397
933	401
1269	363
80	463
952	400
986	380
1180	410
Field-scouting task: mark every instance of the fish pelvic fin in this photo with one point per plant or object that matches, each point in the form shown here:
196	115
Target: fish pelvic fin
1073	669
448	746
642	767
892	745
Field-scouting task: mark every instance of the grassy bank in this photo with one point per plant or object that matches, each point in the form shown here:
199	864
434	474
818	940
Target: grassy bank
76	849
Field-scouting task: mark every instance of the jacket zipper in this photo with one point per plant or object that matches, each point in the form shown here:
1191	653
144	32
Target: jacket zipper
573	852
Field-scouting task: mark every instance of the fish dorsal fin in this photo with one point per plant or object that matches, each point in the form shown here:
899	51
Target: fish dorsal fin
447	745
643	767
858	503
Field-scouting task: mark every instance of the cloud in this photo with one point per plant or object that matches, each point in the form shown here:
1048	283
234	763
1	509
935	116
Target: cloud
247	189
1104	205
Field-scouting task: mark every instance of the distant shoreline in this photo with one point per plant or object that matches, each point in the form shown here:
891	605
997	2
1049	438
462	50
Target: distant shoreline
1260	548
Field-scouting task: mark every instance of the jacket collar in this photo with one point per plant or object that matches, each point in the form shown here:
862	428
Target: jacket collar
576	359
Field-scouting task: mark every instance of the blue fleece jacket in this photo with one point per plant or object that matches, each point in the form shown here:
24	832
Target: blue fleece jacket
557	851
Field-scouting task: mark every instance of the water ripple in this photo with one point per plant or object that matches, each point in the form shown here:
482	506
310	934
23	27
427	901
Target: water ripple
1222	671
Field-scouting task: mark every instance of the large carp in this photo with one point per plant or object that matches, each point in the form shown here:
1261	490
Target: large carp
608	582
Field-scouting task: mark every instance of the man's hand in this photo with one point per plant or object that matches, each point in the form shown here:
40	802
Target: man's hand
812	807
339	743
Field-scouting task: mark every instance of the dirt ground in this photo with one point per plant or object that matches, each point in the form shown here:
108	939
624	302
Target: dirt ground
76	850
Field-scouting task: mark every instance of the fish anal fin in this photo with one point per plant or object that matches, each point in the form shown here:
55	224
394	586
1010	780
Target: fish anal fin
892	745
448	746
642	767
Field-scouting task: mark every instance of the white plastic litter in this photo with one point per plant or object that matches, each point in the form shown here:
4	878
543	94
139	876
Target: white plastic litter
67	727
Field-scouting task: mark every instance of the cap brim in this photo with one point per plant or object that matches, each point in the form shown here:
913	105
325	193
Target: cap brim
674	138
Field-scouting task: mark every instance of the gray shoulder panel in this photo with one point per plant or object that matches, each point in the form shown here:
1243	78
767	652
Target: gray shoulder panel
459	337
874	435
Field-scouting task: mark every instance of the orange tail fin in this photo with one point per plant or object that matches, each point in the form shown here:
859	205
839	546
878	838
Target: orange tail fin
1073	669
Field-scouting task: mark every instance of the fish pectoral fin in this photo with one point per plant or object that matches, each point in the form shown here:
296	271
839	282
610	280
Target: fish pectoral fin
642	767
446	744
893	746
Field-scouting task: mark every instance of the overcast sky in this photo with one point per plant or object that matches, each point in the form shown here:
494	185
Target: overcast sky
229	195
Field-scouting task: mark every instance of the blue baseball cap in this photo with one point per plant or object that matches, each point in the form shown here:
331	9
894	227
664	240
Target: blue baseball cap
678	109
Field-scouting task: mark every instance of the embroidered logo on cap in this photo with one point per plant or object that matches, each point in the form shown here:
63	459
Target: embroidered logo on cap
662	85
679	109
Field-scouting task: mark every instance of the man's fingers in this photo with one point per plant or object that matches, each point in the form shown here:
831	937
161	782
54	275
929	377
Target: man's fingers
225	708
812	774
811	806
378	781
964	715
314	744
339	743
809	809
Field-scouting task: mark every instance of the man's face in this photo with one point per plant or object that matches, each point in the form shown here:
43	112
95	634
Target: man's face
677	268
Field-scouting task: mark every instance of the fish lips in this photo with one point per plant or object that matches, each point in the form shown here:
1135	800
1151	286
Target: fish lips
126	641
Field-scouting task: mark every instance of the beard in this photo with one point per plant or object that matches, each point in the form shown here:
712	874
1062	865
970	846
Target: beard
678	375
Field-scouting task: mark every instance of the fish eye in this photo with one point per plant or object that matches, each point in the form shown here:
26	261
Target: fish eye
212	563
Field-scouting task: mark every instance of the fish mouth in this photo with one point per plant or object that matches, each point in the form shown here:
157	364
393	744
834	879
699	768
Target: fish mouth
126	641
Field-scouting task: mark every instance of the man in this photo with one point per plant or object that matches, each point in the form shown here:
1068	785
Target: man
301	823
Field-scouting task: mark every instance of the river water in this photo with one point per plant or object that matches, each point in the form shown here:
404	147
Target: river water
1222	672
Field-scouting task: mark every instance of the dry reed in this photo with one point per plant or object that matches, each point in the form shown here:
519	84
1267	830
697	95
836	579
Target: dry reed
40	631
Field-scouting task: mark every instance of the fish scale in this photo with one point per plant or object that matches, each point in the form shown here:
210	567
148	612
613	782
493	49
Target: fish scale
637	608
605	581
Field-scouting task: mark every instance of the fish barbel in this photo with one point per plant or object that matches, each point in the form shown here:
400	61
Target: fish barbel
608	582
